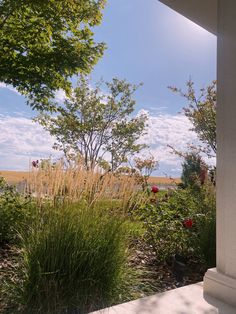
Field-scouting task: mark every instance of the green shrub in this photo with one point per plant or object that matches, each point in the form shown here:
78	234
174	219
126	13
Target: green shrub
167	232
207	230
164	224
14	212
192	167
74	258
207	241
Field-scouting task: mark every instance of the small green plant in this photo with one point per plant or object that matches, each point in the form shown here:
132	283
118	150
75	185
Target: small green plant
14	210
144	168
74	259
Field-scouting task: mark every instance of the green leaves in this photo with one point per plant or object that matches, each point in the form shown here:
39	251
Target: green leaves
44	43
93	123
165	229
14	212
192	169
201	111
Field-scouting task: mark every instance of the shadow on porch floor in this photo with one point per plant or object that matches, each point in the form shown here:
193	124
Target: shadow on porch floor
185	300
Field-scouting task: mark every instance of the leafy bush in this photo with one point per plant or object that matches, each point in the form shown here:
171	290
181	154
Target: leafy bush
182	223
74	259
14	211
164	225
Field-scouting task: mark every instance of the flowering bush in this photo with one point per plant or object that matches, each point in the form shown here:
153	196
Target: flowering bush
35	163
182	223
188	223
155	189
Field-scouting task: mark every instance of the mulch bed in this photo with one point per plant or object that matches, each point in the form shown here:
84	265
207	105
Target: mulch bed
9	269
157	277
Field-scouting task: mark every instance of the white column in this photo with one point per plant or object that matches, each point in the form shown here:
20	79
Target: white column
221	282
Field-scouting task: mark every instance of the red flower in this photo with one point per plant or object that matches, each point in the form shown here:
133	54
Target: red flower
188	223
155	189
35	163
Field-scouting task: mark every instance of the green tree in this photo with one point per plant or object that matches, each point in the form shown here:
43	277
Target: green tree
194	169
95	125
201	111
44	43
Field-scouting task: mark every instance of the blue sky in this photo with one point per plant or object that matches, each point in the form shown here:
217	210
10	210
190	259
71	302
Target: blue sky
146	42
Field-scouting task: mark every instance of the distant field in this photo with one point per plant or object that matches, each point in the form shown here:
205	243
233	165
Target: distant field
18	176
14	176
164	180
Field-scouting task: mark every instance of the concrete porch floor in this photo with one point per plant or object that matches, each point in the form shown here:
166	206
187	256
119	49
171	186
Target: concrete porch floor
184	300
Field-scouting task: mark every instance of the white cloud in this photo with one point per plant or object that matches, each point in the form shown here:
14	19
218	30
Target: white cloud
164	130
22	140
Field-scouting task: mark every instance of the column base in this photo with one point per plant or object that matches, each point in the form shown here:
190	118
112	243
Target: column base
220	286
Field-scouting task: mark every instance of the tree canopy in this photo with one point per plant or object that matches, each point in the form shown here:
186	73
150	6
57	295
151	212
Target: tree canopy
201	111
98	126
44	43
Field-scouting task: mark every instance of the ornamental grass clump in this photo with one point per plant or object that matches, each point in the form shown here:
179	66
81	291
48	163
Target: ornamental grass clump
74	261
59	184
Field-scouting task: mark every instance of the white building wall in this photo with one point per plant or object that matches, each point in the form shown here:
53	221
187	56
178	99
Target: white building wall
221	282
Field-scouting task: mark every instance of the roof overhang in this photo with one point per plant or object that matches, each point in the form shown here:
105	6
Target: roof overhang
201	12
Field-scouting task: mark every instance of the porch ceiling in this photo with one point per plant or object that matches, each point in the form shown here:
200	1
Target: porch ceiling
201	12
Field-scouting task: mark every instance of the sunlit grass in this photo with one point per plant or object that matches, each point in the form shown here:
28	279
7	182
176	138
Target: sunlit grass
74	258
